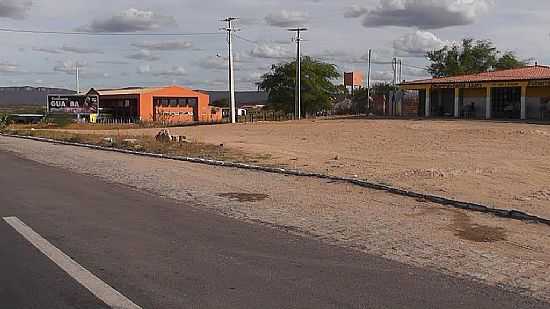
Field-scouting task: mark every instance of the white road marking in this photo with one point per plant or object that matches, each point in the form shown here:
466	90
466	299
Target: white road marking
100	289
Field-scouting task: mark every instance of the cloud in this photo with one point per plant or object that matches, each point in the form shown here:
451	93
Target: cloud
69	66
271	51
115	62
131	20
424	14
46	50
167	45
144	68
355	11
8	67
144	55
14	9
80	50
252	77
172	72
382	75
417	44
286	19
214	63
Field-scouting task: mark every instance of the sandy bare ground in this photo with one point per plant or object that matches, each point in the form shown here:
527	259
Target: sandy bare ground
500	164
503	252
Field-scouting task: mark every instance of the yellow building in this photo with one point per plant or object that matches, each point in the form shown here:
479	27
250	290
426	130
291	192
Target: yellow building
522	93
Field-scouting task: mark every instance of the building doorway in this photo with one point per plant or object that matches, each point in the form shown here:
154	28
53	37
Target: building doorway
506	103
443	102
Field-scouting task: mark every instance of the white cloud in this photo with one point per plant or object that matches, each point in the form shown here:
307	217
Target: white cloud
271	51
252	77
355	11
145	55
14	9
69	66
286	18
131	20
8	67
80	50
144	68
166	45
424	14
46	50
417	44
214	63
172	72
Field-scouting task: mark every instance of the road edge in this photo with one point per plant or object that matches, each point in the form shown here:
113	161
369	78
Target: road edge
475	207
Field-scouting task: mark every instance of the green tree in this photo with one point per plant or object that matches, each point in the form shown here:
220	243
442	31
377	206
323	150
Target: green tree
318	89
471	57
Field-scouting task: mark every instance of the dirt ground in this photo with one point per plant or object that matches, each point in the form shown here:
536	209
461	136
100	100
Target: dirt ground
501	252
500	164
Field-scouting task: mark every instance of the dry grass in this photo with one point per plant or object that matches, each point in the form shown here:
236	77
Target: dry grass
77	126
149	144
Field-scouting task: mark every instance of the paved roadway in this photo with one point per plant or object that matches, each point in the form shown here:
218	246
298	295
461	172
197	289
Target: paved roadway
163	254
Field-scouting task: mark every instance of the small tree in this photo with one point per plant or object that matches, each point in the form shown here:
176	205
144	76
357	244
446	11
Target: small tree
318	89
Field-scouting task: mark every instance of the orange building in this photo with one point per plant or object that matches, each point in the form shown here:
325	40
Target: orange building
173	104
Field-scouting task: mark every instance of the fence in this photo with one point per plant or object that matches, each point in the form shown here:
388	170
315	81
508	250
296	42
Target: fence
276	116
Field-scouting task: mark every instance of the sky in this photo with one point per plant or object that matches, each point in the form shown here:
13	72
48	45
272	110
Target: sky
340	32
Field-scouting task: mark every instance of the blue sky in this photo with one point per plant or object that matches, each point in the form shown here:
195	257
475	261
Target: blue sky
340	32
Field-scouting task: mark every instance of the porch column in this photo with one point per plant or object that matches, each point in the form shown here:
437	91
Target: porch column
457	102
523	102
428	105
488	106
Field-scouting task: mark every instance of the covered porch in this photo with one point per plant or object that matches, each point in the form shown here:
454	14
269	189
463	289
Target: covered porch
476	101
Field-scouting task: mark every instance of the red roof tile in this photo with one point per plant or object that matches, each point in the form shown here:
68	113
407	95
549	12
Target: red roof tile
526	73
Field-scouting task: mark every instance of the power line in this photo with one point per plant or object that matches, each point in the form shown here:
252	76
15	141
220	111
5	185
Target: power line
8	30
245	39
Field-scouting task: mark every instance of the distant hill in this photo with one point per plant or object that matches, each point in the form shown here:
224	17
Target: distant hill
28	96
36	96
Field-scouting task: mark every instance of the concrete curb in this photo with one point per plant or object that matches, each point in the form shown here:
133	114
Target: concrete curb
502	213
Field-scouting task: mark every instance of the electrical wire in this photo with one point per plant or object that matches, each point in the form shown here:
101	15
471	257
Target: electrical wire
108	33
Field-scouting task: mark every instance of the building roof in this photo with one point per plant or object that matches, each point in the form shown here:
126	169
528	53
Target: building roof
126	91
536	72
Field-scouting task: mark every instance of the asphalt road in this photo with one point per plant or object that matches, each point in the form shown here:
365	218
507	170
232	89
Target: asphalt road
164	254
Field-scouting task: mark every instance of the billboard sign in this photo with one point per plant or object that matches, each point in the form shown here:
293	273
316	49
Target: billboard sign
73	104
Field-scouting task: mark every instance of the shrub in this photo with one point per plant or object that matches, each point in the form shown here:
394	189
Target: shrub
4	121
59	120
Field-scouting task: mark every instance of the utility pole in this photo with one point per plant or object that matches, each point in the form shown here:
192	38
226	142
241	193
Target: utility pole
394	67
368	79
230	31
298	97
77	79
400	70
